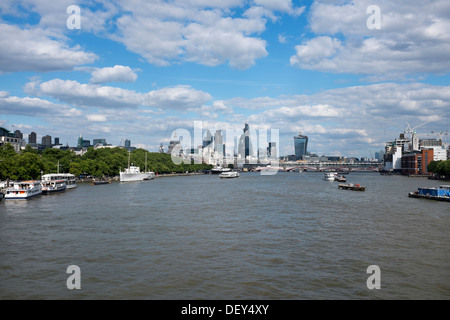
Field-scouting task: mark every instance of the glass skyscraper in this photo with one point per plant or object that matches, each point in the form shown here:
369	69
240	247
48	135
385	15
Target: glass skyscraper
300	146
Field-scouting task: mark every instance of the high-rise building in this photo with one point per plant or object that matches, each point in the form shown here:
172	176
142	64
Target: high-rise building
99	142
47	140
300	146
245	147
207	139
57	142
32	138
219	146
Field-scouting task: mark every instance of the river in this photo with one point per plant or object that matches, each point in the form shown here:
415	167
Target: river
290	236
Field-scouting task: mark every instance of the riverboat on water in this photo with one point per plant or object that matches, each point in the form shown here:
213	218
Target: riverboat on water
23	190
351	186
329	176
440	193
231	174
53	186
71	181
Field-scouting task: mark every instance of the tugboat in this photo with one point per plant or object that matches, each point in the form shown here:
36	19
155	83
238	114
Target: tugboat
351	186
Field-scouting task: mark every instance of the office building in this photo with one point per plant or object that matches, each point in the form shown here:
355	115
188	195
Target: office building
32	138
300	146
47	140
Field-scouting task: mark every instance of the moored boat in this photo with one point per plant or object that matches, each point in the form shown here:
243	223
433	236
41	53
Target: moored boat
220	170
231	174
133	173
351	186
71	181
96	183
53	186
440	193
23	190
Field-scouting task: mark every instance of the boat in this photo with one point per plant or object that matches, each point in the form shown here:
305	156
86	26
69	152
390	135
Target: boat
329	176
351	186
133	173
53	186
340	179
231	174
71	181
23	190
440	193
96	183
219	170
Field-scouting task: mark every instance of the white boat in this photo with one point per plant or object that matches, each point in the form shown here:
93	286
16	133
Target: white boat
231	174
329	176
23	190
53	186
219	170
133	173
71	181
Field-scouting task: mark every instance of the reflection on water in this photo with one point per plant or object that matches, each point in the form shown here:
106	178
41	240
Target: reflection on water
287	236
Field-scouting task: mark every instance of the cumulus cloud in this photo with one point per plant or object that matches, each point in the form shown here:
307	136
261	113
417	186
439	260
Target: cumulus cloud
113	74
35	49
93	95
165	33
413	39
26	106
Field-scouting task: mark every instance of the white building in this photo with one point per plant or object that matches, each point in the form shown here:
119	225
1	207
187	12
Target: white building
439	153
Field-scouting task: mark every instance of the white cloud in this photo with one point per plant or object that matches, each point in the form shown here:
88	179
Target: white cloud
413	39
166	33
33	49
97	96
33	107
113	74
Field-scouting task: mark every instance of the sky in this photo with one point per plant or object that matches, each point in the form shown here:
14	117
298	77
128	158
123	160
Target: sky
350	75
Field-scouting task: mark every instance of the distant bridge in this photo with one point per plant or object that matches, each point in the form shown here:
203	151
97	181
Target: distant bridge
323	166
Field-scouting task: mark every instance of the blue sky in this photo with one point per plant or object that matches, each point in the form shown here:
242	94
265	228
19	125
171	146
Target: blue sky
139	70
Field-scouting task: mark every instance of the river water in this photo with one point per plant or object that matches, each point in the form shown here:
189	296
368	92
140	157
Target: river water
290	236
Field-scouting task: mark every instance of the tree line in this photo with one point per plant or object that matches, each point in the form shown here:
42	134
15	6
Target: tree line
441	168
98	163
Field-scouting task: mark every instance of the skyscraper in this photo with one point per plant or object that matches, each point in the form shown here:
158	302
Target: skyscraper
32	137
245	143
300	146
47	140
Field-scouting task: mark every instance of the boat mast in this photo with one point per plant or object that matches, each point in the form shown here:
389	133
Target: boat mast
146	161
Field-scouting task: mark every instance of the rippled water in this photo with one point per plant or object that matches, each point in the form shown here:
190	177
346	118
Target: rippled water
287	236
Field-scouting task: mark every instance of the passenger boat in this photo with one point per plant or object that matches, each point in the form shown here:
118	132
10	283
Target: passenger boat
71	181
440	193
133	173
23	190
351	186
53	186
231	174
329	176
220	170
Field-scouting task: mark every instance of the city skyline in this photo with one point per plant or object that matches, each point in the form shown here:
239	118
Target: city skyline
141	70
